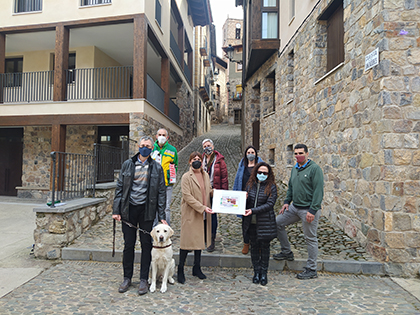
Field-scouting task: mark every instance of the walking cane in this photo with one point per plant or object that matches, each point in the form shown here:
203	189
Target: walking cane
113	240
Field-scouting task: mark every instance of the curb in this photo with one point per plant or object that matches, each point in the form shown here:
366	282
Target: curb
234	261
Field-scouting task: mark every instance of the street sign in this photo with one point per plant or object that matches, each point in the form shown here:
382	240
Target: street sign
372	59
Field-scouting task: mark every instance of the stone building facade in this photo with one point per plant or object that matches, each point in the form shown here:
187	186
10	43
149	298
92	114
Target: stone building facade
232	40
361	126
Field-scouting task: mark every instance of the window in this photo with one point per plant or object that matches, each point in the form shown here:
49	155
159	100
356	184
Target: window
271	156
93	2
28	6
71	66
291	9
269	19
333	16
238	31
14	67
269	94
158	12
289	155
237	116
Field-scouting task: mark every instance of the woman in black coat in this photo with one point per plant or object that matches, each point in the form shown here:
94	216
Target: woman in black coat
260	220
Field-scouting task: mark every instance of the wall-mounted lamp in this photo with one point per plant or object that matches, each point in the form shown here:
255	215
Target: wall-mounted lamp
229	51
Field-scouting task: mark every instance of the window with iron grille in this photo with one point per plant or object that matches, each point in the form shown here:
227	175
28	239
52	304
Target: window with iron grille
158	12
28	6
93	2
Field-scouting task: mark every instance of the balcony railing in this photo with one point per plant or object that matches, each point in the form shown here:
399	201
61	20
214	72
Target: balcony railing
28	5
173	111
175	49
100	83
93	2
27	86
155	94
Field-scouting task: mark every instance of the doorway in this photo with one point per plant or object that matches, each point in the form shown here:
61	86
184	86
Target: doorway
11	146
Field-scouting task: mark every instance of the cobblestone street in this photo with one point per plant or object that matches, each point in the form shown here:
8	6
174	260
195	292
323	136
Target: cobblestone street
86	287
333	243
91	288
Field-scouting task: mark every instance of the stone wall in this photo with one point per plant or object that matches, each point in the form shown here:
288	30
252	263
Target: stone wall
143	125
361	127
58	227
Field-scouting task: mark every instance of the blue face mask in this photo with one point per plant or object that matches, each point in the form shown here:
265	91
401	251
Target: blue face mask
262	177
145	151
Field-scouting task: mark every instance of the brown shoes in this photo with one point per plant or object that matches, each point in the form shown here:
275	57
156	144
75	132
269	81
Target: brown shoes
245	250
143	287
124	285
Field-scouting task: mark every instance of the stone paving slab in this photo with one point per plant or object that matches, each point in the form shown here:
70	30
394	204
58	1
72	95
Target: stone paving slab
91	288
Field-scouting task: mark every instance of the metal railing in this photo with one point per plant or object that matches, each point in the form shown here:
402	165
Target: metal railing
187	72
107	160
27	86
175	49
28	5
72	176
173	111
155	94
93	2
100	83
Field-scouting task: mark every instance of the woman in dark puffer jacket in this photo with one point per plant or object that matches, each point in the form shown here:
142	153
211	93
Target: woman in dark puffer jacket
260	220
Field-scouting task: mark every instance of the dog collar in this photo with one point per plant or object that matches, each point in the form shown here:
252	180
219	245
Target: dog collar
162	246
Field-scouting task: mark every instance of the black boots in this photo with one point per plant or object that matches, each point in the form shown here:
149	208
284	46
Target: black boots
211	248
196	268
182	257
196	271
263	279
256	277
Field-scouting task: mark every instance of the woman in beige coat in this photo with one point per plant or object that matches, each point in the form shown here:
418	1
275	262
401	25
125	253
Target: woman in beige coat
195	215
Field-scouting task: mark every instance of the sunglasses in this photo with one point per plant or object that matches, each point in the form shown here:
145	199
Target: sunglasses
260	172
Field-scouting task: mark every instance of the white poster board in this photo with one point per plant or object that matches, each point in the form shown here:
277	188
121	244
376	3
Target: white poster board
229	201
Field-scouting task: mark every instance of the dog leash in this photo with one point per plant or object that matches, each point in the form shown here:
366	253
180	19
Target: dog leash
126	223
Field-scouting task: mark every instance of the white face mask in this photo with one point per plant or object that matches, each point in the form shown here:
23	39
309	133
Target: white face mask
161	139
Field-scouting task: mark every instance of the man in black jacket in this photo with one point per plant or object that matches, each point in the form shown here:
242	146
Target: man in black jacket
140	194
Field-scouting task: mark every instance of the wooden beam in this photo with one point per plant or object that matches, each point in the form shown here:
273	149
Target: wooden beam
58	138
69	24
72	119
61	62
140	57
2	62
164	83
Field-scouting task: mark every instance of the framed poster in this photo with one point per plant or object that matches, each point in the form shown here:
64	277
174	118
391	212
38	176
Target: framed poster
229	201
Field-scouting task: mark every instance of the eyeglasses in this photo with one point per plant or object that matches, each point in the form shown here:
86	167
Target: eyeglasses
299	153
260	172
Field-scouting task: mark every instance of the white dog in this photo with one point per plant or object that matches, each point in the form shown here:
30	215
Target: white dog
163	264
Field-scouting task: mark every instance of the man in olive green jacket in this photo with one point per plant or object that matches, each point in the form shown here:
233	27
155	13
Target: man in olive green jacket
305	190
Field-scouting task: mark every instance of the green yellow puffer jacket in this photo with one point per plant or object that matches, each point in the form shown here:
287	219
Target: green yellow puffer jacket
167	155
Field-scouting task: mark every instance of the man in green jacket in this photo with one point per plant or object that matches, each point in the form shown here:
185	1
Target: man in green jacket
166	155
305	190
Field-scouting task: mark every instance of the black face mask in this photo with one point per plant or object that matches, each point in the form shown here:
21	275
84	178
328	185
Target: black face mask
196	164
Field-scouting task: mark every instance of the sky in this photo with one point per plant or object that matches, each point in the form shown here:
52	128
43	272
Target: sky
221	10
